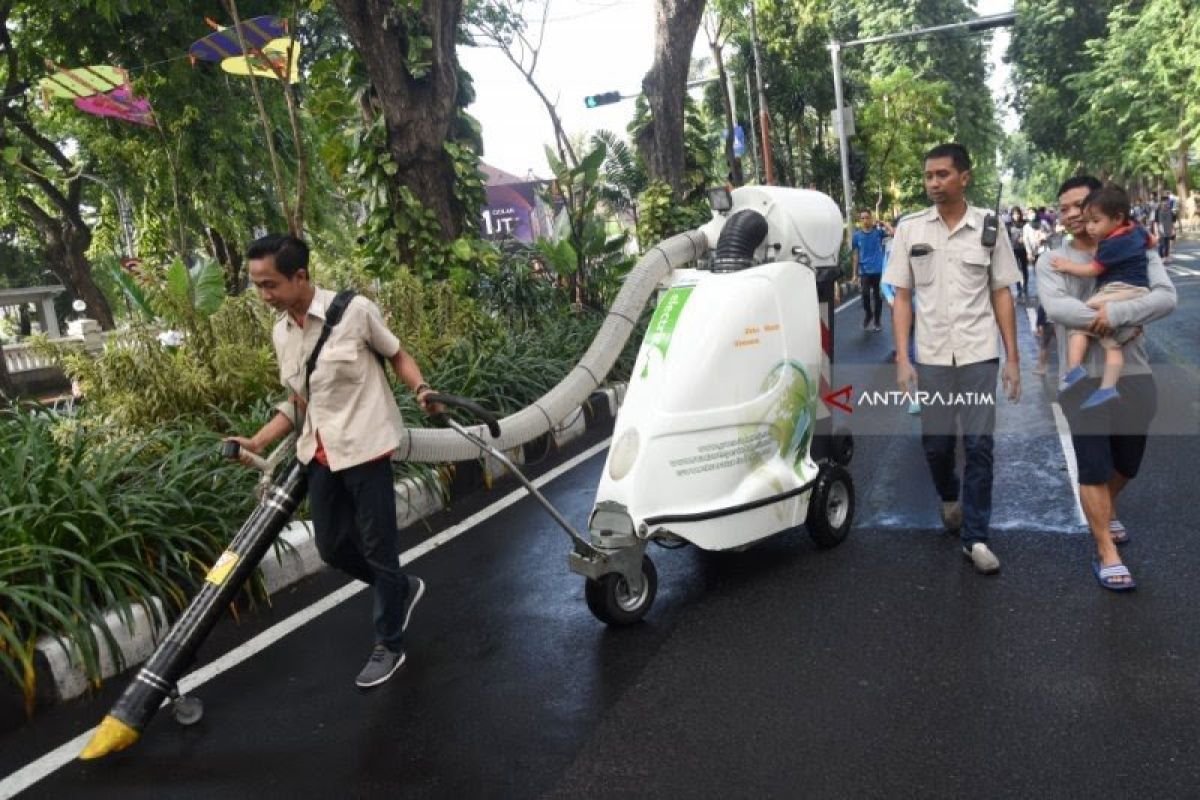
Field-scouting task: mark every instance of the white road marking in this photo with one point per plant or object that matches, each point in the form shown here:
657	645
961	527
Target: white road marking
848	303
1064	434
1064	438
62	755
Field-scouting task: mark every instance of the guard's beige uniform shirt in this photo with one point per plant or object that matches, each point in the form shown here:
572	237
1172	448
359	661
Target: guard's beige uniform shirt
351	403
952	285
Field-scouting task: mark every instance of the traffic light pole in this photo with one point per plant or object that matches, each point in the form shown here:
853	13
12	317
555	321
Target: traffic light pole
835	53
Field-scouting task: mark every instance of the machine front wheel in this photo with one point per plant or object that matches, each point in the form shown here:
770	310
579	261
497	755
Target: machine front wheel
831	506
613	602
187	710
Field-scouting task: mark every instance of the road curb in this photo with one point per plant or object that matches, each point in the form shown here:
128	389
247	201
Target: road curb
58	664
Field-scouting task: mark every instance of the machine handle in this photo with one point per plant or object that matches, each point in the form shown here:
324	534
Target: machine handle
232	451
470	406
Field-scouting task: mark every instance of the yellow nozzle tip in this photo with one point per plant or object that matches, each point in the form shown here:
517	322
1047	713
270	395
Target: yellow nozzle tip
111	735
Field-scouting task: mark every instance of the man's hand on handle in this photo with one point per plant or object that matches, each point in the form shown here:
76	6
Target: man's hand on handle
247	449
432	409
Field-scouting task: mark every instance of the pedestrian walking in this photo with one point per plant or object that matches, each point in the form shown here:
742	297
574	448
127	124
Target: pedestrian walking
1045	334
1164	227
1016	237
349	425
939	258
1110	440
867	257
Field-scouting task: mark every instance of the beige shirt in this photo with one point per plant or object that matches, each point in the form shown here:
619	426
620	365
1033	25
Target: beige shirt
351	403
952	285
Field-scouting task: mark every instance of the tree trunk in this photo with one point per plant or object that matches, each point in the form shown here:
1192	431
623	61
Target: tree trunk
76	273
665	85
67	243
419	110
789	158
735	163
230	259
1182	189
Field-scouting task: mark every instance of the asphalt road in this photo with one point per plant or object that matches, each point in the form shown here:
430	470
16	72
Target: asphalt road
882	668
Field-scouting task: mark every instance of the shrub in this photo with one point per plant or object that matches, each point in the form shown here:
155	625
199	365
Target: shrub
90	523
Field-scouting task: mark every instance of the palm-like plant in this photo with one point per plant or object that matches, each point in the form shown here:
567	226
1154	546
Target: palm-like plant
624	175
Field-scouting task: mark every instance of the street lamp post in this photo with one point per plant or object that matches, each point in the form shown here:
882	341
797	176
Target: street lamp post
835	48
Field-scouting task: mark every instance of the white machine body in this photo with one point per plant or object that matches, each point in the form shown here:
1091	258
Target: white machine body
712	442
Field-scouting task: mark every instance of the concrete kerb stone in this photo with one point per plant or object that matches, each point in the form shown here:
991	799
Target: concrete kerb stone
59	660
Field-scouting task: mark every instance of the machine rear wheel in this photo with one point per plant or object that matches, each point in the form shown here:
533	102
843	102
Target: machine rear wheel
831	506
612	601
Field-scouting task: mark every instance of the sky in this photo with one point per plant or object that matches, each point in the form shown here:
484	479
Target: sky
593	46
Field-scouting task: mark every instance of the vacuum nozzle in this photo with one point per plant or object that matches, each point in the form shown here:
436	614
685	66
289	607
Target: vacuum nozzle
111	735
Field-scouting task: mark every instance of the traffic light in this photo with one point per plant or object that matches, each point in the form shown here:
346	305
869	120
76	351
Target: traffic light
602	99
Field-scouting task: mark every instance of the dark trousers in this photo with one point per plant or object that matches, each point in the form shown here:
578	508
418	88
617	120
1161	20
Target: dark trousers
872	298
1164	246
354	523
1023	265
965	395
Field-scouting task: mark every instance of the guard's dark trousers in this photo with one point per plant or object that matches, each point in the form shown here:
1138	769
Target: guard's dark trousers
966	395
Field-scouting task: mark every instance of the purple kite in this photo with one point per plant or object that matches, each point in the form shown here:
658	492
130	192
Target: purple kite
223	44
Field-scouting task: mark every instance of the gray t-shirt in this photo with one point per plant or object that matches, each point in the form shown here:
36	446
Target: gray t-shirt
1063	295
1165	218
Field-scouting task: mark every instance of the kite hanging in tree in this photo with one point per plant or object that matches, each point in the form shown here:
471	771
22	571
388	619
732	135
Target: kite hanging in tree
102	91
267	50
269	62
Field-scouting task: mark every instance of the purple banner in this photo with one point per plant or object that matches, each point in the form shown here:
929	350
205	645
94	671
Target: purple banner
514	211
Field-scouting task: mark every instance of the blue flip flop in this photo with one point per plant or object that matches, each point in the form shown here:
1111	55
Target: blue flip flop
1120	536
1105	576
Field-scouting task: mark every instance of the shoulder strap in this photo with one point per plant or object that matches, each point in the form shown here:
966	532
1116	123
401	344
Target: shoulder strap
333	315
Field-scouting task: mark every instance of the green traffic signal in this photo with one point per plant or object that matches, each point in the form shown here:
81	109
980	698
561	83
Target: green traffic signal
602	99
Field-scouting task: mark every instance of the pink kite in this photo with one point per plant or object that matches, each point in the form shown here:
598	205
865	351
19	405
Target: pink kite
102	91
118	104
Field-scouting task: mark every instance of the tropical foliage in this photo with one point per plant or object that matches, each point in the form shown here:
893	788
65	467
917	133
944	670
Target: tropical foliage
1109	88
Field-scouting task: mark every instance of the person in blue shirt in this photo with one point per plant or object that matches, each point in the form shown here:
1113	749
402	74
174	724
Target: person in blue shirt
867	259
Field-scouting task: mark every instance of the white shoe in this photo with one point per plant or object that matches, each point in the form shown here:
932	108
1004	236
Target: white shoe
985	560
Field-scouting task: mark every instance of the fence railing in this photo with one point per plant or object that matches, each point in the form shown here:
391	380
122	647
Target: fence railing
23	356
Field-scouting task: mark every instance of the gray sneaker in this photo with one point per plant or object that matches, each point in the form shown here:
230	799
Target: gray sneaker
985	560
382	664
952	516
416	590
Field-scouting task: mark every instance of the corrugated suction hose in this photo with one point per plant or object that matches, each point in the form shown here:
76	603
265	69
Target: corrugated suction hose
437	446
744	231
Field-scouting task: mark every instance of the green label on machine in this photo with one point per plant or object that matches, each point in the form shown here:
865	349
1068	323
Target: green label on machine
662	324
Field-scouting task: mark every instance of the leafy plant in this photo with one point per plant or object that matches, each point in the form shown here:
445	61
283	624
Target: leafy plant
89	524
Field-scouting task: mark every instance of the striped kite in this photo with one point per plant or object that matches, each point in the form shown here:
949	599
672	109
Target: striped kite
102	91
266	53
